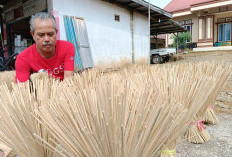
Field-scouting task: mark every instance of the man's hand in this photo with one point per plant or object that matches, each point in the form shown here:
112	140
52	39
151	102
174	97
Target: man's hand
68	74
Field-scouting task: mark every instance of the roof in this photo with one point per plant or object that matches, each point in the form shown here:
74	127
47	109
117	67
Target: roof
161	36
161	20
178	5
141	7
3	2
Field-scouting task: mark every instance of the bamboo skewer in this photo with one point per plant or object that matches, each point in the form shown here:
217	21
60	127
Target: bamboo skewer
7	77
18	125
210	117
146	144
221	78
132	112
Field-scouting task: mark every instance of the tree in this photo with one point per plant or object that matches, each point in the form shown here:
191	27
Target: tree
182	40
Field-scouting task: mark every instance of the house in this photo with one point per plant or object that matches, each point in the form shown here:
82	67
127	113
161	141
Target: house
102	31
208	21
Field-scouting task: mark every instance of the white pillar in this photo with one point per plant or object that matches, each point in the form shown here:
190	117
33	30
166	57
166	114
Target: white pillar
209	28
200	29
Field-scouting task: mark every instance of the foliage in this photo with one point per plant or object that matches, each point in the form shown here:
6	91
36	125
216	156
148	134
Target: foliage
182	39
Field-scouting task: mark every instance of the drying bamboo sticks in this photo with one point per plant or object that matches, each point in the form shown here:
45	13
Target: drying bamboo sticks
101	129
17	123
210	117
181	91
139	111
7	77
197	133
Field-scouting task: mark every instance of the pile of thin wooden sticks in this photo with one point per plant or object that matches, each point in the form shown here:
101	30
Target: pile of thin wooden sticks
139	111
198	134
210	116
17	123
7	77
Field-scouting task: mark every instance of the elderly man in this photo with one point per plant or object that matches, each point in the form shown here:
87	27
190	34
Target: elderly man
47	54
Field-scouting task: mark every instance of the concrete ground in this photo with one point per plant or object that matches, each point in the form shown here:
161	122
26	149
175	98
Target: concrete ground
220	144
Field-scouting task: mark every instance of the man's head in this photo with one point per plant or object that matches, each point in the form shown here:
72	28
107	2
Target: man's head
44	30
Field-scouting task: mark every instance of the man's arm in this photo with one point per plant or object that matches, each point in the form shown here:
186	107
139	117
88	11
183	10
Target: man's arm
69	61
68	74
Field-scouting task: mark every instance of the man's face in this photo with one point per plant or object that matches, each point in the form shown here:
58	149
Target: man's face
44	36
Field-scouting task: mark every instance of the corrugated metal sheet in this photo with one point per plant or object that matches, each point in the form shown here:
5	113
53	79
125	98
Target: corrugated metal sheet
83	43
71	37
77	34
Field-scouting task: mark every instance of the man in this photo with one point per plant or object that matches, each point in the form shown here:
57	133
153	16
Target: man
47	54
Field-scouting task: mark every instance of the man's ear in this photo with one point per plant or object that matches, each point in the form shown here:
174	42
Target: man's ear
32	33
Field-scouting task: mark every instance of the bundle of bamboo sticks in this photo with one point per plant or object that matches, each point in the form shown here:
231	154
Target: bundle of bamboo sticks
7	77
221	73
17	123
197	133
110	119
209	116
193	86
138	111
5	151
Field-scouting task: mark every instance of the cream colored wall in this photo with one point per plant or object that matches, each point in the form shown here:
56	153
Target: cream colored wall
170	40
219	15
194	19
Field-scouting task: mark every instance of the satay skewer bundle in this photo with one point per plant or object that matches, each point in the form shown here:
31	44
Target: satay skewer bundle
220	73
109	119
7	77
17	123
166	89
139	111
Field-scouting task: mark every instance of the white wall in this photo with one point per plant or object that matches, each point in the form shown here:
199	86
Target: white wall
109	40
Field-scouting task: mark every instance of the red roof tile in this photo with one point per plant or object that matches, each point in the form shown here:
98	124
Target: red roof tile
161	36
177	5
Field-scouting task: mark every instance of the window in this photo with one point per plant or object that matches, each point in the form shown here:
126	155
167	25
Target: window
188	22
117	18
181	22
224	32
188	27
223	8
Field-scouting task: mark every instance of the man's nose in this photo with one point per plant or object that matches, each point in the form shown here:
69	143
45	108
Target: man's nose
46	38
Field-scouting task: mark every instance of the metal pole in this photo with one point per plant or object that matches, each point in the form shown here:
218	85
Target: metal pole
132	36
177	43
149	27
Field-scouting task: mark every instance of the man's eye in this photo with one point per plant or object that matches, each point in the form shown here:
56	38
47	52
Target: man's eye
50	34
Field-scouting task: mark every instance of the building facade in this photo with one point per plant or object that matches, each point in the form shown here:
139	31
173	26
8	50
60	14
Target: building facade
108	27
208	21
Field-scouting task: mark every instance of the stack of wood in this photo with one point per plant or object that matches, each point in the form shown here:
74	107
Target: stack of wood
221	73
17	122
178	89
217	74
7	77
210	116
5	151
111	118
139	111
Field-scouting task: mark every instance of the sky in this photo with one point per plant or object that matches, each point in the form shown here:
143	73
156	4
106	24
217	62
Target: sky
159	3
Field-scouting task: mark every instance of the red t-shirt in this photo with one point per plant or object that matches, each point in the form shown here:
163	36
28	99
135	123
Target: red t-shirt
30	61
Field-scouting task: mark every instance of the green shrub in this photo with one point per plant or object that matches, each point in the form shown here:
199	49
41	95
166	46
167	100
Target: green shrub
182	40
